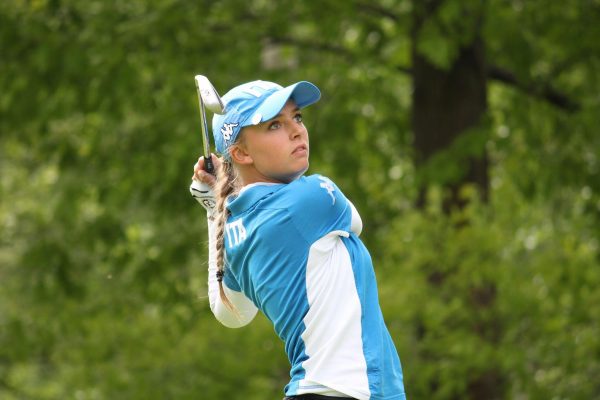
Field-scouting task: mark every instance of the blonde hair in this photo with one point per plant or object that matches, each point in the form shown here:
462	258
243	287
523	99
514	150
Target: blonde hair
226	186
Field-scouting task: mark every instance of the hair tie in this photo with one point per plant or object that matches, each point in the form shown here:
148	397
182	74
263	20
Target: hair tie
219	276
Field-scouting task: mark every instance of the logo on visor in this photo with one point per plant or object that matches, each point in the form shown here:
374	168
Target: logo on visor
227	131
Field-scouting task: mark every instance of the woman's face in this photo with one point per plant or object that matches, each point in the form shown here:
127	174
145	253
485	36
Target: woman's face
276	150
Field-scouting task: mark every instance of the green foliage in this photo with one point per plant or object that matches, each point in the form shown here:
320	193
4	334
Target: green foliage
505	298
453	25
102	250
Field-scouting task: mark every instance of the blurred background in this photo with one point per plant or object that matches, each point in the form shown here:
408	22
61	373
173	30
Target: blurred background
465	132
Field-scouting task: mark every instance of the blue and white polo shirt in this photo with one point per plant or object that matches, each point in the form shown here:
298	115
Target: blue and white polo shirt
291	249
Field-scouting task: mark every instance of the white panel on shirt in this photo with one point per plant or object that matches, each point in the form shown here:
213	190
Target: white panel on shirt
356	222
333	336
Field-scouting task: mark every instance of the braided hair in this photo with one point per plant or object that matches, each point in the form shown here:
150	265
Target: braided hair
226	185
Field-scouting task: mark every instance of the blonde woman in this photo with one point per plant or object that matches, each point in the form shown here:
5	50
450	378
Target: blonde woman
288	245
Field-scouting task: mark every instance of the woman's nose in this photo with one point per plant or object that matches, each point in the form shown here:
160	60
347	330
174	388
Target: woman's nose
296	131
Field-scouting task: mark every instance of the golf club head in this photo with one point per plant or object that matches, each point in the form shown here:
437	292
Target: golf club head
210	97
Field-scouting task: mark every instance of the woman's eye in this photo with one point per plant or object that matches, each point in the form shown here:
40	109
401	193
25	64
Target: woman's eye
274	125
298	118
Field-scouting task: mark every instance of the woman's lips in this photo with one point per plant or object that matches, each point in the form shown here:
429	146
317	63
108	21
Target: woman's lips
300	150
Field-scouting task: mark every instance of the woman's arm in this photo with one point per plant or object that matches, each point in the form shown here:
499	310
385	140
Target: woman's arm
244	310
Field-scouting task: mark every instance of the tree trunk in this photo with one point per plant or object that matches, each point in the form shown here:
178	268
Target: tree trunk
447	103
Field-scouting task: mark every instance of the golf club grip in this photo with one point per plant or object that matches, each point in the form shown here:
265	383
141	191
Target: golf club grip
208	165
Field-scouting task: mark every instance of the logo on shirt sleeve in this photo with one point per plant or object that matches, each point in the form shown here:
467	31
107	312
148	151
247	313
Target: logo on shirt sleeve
328	185
236	233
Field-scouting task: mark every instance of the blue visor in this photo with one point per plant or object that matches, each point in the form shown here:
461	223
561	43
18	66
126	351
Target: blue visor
255	102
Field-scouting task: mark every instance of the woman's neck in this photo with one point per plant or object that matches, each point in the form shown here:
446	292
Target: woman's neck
248	176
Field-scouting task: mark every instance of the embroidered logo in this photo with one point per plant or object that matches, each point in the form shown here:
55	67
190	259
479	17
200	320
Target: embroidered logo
328	185
236	233
227	131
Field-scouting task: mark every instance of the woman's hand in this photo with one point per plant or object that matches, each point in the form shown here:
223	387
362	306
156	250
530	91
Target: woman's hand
201	175
203	185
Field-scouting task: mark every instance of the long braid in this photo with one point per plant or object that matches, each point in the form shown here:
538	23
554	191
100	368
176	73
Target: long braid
225	187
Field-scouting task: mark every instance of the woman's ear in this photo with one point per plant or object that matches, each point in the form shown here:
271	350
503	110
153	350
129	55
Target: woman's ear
240	155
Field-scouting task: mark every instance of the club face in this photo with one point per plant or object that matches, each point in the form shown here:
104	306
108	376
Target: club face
209	95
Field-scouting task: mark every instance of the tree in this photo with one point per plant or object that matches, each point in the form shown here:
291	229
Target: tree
102	249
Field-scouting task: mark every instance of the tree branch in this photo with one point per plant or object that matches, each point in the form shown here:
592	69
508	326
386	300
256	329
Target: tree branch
319	46
543	90
540	90
378	10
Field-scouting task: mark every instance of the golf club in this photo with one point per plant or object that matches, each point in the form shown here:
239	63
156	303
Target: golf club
209	98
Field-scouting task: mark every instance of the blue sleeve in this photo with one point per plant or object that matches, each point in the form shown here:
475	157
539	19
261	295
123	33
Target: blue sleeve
230	281
318	207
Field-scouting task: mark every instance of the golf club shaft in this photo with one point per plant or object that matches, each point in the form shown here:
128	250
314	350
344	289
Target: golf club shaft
208	164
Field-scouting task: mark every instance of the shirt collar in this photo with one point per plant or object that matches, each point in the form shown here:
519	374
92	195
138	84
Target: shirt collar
250	195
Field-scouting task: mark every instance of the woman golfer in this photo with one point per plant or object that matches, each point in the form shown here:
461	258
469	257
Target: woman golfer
288	245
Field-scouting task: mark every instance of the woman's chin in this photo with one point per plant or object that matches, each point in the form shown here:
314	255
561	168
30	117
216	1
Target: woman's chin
290	177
